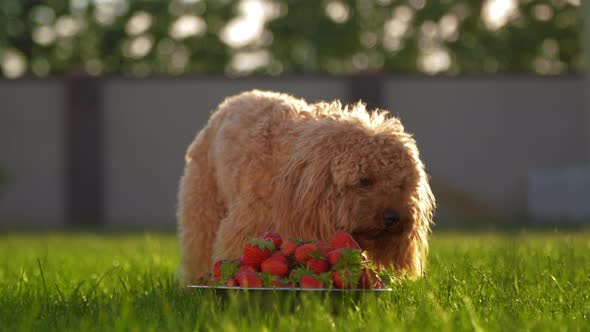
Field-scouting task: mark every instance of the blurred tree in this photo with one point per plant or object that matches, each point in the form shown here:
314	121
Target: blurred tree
44	37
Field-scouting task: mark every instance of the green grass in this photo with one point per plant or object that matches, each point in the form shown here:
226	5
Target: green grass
479	281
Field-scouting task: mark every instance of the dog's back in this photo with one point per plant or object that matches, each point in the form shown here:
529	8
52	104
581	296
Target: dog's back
251	131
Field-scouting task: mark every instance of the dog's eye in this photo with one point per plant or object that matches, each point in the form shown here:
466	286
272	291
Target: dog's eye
366	181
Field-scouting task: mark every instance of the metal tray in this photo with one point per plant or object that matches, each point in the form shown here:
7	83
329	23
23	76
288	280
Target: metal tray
291	289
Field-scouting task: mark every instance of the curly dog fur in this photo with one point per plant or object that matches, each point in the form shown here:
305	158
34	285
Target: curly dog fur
267	161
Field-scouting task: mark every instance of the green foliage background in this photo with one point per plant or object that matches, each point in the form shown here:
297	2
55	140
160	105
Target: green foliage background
543	36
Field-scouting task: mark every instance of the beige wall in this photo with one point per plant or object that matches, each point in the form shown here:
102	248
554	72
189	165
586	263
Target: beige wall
479	137
31	153
587	107
586	44
148	126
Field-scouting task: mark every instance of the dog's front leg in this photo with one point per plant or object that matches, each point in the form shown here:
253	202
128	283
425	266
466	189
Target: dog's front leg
235	229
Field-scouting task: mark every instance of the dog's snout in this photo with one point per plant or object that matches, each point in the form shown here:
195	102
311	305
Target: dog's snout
390	218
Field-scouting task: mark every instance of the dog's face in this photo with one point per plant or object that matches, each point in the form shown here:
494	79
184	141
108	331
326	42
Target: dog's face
383	197
373	182
367	180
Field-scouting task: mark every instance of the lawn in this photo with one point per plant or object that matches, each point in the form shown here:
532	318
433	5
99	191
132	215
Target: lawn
523	280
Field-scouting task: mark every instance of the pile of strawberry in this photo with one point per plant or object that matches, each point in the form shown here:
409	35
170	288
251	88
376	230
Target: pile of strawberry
269	261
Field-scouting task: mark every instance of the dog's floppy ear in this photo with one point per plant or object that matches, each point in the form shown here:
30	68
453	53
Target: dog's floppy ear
414	254
345	170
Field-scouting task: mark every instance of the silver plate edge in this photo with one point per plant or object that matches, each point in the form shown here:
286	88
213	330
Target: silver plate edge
291	289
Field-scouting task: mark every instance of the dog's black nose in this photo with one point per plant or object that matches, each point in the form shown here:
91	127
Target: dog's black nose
390	218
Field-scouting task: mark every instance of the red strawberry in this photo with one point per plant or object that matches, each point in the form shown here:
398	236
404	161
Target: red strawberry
274	237
318	265
256	251
345	278
324	248
275	267
370	280
279	255
341	239
288	247
204	279
248	279
248	268
337	279
231	282
334	256
217	270
309	281
276	283
304	252
281	283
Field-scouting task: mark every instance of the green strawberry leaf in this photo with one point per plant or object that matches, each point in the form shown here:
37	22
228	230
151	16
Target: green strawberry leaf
263	244
326	279
350	277
299	272
267	279
351	259
297	241
228	269
316	254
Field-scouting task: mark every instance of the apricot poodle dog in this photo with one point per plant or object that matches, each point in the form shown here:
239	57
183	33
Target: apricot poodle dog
268	161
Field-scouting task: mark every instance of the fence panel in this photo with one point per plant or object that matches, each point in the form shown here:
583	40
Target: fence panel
32	153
